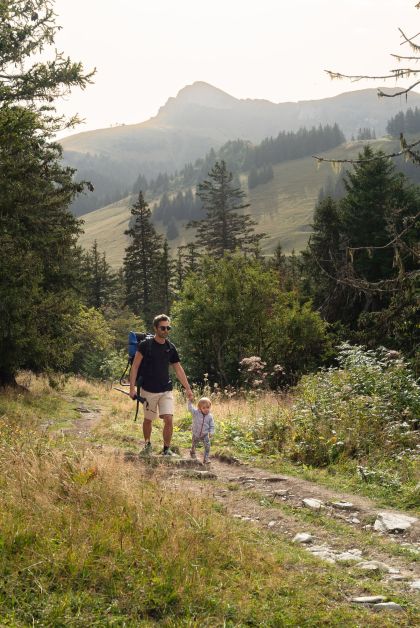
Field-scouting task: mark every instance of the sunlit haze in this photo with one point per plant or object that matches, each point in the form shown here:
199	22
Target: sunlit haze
145	52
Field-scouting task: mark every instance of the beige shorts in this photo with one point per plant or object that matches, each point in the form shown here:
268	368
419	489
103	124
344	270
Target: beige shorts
157	404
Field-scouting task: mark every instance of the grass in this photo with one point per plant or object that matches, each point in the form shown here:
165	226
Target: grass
89	540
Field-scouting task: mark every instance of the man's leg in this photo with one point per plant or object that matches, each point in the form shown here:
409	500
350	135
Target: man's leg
150	413
147	430
168	428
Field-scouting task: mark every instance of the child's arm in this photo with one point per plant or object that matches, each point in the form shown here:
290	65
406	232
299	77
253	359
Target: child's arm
190	406
211	425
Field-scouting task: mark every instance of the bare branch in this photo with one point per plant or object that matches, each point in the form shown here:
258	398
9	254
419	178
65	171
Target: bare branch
403	91
355	78
400	57
405	150
389	244
409	41
346	277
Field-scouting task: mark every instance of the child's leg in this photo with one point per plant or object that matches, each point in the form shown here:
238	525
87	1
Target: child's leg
193	445
206	441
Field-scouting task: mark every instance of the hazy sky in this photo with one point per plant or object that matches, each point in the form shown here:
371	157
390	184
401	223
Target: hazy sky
146	51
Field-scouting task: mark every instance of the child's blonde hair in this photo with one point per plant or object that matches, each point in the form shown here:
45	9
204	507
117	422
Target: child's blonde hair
204	400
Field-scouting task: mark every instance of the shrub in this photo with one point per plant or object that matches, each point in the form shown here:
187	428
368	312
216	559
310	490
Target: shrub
367	407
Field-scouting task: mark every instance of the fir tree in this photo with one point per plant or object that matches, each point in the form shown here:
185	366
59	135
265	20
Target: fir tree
100	280
224	229
39	259
141	261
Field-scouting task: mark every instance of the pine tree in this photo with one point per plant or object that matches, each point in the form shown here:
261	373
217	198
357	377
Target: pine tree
363	250
323	259
365	213
39	259
100	280
224	229
141	261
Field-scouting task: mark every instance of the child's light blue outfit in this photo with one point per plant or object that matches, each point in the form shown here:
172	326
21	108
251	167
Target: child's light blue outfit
202	429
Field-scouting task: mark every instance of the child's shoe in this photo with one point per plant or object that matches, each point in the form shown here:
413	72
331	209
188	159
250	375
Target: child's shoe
193	454
206	460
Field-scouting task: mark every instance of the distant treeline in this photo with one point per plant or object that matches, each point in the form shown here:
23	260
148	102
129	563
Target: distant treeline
289	145
408	122
183	206
108	177
364	134
240	156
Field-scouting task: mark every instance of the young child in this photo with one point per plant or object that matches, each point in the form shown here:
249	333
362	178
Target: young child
202	426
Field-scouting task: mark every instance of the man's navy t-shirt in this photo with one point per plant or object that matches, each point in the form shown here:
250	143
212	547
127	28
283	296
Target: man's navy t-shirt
156	368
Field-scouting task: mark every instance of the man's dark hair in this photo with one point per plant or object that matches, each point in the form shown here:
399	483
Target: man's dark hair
159	318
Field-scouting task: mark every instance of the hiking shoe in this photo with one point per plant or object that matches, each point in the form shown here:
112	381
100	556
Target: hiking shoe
168	452
193	454
147	450
206	461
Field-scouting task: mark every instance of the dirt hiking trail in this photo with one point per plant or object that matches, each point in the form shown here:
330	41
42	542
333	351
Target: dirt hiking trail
345	529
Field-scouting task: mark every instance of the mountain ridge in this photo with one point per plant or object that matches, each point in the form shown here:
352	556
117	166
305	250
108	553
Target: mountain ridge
201	117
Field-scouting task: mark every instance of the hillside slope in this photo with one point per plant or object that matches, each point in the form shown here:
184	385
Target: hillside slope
201	117
283	207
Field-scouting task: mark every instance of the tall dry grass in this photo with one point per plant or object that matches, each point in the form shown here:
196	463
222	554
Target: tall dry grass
89	540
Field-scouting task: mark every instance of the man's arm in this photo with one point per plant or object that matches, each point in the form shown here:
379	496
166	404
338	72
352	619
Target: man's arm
180	373
133	373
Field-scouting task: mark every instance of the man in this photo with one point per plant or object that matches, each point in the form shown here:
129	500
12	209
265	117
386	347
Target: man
158	353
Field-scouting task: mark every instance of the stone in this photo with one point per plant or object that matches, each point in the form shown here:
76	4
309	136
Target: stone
391	522
271	524
274	478
281	493
313	504
303	537
387	606
350	555
368	599
200	475
354	520
323	552
373	565
342	505
415	585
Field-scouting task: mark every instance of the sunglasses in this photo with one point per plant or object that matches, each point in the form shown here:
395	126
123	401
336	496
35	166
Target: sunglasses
162	328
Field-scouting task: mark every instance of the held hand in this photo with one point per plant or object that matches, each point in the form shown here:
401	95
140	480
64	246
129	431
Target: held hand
190	395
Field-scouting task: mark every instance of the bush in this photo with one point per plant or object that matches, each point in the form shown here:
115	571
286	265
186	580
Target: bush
93	339
366	408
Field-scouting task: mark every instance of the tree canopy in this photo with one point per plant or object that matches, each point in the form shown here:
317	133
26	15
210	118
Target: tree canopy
40	260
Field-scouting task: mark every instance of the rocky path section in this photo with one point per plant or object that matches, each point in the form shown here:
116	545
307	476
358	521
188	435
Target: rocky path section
347	530
88	419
